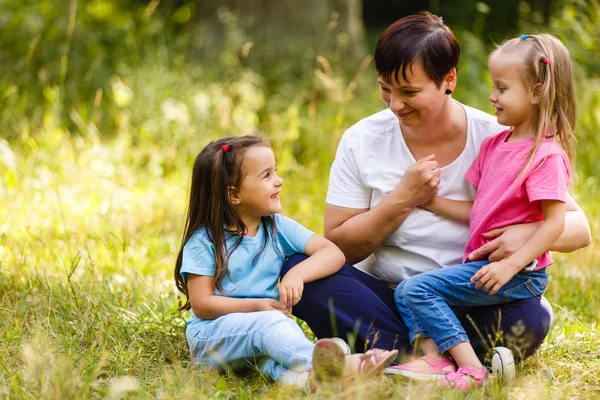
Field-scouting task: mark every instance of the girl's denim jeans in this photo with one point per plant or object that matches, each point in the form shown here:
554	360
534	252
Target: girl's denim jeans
268	339
425	301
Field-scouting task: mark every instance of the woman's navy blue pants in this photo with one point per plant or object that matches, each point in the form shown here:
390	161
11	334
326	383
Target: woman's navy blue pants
359	308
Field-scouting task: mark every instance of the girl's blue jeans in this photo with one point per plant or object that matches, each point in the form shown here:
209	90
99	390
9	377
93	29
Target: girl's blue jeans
268	339
425	301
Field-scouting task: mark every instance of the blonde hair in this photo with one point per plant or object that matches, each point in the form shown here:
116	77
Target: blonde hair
547	74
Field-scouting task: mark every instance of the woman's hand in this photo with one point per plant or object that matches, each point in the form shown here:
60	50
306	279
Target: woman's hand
290	289
505	241
272	305
421	180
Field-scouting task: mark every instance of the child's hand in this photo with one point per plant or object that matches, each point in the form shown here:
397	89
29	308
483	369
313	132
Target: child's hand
495	275
290	289
272	305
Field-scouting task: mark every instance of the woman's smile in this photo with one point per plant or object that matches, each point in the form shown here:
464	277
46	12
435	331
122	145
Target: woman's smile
405	115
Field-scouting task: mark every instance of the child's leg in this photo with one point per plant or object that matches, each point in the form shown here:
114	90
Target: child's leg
267	334
429	298
417	336
410	320
431	366
424	303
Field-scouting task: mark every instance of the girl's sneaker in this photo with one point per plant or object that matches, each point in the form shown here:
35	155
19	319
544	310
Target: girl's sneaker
503	364
464	378
427	368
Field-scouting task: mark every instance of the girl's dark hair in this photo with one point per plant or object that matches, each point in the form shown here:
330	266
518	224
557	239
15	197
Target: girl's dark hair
214	173
420	38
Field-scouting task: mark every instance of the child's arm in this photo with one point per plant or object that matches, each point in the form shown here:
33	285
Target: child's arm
493	276
325	259
207	305
454	210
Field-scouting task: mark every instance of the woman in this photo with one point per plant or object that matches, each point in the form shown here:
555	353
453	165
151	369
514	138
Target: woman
389	165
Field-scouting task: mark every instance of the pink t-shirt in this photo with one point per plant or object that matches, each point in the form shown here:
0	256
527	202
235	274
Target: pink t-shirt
503	197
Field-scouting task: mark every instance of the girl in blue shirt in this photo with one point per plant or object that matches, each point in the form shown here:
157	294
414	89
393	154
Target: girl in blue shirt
229	263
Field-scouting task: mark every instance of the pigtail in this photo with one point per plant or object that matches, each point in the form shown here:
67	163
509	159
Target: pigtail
199	191
223	213
564	105
557	106
543	91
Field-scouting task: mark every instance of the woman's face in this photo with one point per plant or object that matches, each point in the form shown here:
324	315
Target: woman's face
416	101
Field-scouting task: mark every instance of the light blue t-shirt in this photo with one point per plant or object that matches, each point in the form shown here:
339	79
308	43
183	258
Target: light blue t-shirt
248	277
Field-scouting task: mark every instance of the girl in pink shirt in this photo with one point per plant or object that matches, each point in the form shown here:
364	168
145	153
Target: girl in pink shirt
521	176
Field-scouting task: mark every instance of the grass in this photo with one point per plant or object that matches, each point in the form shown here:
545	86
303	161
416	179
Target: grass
88	304
89	228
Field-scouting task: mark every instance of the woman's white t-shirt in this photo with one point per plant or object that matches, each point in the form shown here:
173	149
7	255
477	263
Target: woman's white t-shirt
371	159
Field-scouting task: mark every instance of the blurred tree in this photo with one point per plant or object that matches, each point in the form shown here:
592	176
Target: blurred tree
281	30
503	15
62	55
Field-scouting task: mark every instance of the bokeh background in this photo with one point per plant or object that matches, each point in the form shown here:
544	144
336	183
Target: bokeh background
103	107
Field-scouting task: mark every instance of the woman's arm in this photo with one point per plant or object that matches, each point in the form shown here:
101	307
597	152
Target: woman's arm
547	233
506	241
324	259
576	234
454	210
359	232
207	305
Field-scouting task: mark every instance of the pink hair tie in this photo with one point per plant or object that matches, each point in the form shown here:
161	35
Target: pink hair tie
546	61
224	148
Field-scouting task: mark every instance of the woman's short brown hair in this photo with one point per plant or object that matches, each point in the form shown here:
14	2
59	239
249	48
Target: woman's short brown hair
420	38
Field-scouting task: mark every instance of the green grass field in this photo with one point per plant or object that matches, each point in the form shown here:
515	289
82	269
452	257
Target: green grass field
88	303
104	106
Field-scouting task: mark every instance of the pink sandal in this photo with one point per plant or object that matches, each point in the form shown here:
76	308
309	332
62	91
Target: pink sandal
374	361
465	378
435	370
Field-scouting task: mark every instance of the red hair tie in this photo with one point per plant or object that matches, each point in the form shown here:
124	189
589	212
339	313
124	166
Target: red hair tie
224	148
546	61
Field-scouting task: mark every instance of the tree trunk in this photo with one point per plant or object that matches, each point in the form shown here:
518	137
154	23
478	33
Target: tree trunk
283	29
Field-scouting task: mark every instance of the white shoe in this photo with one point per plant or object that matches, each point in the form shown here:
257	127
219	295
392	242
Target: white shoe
503	364
343	345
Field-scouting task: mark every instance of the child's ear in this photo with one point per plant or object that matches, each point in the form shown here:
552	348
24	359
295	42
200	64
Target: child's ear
536	94
233	195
